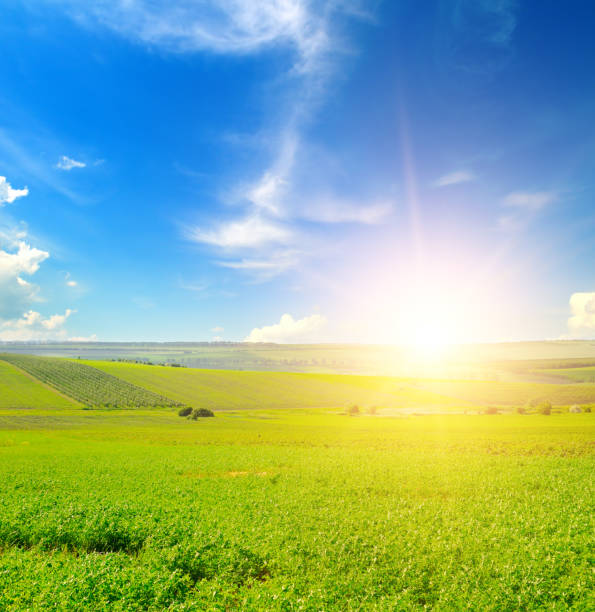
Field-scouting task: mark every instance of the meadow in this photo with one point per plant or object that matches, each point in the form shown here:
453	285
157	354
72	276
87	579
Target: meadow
285	502
295	510
17	390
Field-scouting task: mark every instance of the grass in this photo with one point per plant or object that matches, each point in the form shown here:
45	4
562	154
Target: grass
86	384
581	374
225	389
17	390
295	510
512	393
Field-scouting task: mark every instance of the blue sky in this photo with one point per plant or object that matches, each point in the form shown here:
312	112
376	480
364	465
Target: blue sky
295	171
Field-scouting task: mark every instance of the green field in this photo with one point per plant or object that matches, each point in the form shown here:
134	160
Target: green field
229	390
226	389
86	384
586	374
283	502
17	390
507	361
295	510
512	394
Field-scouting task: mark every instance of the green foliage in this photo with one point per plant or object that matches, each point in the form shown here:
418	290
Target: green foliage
353	410
184	411
544	408
86	384
285	510
198	413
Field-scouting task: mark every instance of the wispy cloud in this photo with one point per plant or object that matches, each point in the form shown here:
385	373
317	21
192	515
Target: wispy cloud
289	330
250	232
454	178
91	338
67	163
273	202
22	158
223	26
522	207
337	210
528	200
477	36
8	194
263	269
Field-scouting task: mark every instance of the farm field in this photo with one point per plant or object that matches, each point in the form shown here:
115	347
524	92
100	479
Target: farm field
586	374
288	510
225	389
511	394
17	390
503	361
86	384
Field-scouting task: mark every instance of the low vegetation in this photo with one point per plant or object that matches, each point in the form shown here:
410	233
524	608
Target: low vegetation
17	390
87	385
287	510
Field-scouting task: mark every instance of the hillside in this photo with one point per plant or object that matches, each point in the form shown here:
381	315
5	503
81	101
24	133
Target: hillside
17	390
225	389
86	384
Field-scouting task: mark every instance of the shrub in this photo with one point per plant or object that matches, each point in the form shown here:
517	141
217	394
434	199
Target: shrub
587	408
185	411
521	410
198	413
545	408
352	410
491	410
372	410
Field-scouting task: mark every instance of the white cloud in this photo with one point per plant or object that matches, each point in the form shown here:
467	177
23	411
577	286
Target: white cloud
18	321
522	207
8	194
289	330
217	329
582	315
25	260
341	211
56	320
531	201
454	178
308	29
71	283
67	163
268	192
16	293
33	326
218	26
91	338
250	232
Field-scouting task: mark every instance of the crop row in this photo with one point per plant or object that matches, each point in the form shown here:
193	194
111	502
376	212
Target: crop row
86	384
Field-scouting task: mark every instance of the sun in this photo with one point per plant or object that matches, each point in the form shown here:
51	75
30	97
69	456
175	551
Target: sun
432	328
